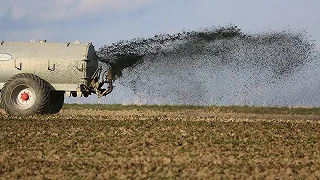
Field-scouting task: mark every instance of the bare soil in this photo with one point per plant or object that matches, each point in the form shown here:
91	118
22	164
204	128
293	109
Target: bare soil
159	144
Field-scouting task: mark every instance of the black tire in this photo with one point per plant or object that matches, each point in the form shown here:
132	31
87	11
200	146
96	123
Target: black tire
25	94
56	101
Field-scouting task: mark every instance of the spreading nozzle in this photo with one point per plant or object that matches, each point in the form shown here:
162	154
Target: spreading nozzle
99	78
109	80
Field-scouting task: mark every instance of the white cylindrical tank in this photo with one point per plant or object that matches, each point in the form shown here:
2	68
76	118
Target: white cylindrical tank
64	66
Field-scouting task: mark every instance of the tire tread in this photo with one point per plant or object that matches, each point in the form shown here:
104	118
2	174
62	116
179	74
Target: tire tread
44	91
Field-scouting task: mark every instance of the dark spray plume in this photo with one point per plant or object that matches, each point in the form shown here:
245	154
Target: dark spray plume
183	67
129	53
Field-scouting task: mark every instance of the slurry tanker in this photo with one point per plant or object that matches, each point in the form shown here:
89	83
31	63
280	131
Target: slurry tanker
36	76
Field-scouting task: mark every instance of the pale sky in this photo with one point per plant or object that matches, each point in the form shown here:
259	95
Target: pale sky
106	21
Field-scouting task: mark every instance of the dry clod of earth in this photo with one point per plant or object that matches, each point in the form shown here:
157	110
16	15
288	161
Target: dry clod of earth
160	143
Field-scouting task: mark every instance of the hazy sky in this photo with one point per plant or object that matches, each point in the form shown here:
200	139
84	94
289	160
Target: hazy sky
106	21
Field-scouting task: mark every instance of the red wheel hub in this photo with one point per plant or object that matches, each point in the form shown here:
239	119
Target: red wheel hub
25	96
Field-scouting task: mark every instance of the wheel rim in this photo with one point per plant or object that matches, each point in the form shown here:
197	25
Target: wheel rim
23	97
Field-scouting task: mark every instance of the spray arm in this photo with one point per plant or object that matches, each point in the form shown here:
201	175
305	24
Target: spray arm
100	77
109	81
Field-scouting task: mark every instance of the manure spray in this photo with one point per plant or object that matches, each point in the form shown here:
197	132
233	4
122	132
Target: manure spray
214	66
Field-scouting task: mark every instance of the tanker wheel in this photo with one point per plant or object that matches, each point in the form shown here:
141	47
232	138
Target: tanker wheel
25	94
56	101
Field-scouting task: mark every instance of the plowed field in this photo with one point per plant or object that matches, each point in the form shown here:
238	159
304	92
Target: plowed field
83	142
